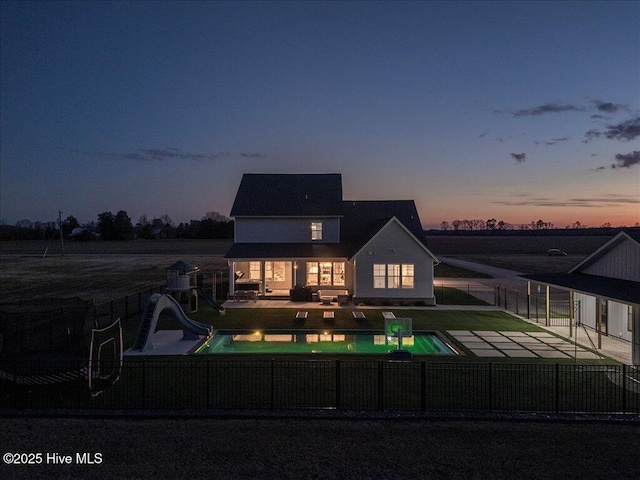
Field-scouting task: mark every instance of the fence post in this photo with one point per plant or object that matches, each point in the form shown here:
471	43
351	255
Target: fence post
423	385
490	387
208	384
529	306
273	383
624	388
557	388
144	378
380	386
337	384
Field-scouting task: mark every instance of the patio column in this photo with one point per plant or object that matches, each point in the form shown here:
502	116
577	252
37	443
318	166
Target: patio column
232	278
547	312
599	321
571	315
635	335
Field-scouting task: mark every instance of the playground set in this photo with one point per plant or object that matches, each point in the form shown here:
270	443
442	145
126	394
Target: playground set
183	294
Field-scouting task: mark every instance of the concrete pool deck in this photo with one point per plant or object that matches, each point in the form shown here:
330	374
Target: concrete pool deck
514	344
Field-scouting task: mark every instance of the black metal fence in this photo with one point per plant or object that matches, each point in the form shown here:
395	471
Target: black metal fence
133	305
463	295
533	307
148	383
126	307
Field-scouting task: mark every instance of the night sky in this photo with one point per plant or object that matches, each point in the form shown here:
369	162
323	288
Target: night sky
516	111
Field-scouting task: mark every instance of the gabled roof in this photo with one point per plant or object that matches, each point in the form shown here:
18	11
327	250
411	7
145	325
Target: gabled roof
616	289
394	220
289	195
628	235
363	220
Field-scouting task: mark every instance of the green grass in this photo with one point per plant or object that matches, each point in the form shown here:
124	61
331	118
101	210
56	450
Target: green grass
444	270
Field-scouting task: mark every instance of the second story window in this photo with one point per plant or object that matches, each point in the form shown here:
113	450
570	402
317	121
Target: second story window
316	230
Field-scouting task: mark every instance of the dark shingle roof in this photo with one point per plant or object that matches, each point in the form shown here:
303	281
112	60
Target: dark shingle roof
285	195
616	289
287	250
363	219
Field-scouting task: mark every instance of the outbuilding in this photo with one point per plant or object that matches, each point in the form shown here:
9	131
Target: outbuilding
604	289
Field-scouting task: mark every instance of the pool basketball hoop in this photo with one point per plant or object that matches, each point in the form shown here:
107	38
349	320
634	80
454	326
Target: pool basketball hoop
398	328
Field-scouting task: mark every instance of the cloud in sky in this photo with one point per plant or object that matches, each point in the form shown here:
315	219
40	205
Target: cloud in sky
546	108
553	141
170	153
627	130
623	160
609	107
627	160
519	157
595	202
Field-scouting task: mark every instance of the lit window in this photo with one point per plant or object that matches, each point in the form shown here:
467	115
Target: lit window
254	271
325	273
338	273
393	276
268	270
316	230
407	275
379	275
312	273
279	271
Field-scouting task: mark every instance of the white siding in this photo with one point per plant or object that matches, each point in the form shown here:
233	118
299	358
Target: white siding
284	230
587	312
394	245
622	261
618	316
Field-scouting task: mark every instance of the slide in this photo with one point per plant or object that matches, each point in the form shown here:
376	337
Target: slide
157	303
209	300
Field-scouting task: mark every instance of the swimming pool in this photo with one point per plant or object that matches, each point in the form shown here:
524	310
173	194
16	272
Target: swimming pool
322	342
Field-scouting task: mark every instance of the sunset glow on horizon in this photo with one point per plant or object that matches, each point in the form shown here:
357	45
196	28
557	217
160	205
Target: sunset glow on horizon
517	111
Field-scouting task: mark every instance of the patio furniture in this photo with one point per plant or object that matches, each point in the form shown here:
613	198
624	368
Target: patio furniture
302	315
359	315
328	315
326	296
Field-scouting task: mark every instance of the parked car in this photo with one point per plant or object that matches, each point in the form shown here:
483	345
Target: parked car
556	252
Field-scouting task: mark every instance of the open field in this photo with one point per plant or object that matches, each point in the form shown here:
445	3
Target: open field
107	270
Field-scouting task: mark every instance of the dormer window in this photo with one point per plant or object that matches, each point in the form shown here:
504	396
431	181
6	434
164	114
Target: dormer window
316	230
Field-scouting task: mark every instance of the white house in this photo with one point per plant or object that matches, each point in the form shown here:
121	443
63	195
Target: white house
297	230
605	287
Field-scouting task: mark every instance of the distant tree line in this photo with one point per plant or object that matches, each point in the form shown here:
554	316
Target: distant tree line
494	225
119	227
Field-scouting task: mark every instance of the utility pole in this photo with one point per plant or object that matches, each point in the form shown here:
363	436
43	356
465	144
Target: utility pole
61	235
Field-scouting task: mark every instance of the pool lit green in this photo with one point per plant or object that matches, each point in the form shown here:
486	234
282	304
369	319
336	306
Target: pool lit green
321	343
